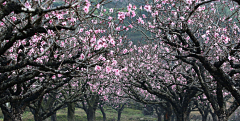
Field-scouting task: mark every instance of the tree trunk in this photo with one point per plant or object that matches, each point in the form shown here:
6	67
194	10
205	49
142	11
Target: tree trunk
119	115
37	117
71	111
167	116
222	117
182	117
204	117
14	113
214	116
119	110
54	117
6	114
159	115
103	112
91	114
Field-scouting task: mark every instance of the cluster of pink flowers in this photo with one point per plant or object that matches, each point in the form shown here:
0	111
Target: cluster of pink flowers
86	8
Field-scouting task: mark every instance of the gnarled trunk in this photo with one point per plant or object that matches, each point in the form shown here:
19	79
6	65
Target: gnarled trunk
91	114
103	112
54	117
182	117
167	116
119	110
14	113
204	117
222	117
71	112
119	115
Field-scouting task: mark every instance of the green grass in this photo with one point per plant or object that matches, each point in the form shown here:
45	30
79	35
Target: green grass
128	114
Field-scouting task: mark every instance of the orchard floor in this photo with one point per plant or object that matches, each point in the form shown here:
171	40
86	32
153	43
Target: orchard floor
127	115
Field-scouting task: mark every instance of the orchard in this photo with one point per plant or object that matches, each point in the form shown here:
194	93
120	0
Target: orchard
176	56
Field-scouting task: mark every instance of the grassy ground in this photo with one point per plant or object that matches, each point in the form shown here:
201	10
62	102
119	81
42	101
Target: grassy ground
127	115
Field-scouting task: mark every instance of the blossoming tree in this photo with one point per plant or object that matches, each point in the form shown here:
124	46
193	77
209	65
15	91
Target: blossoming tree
204	35
42	47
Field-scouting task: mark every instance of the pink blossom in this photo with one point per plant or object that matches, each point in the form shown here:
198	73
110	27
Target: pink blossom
144	16
118	28
81	30
108	69
98	6
88	4
117	72
105	45
114	62
110	18
125	69
148	8
130	25
182	18
64	23
125	51
86	9
98	68
46	16
129	7
121	15
50	21
59	75
133	14
112	41
128	13
111	10
140	20
14	18
82	56
1	24
53	77
134	7
27	5
87	32
59	16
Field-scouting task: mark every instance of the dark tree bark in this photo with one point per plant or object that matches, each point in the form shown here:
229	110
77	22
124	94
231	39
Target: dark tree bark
120	109
102	110
15	112
90	106
214	116
91	114
54	117
164	109
159	112
71	111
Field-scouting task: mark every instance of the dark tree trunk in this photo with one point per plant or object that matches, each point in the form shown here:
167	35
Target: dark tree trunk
222	117
91	114
119	110
167	116
159	115
103	112
90	108
14	113
54	117
119	115
71	111
204	117
159	112
182	117
214	116
37	117
6	114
